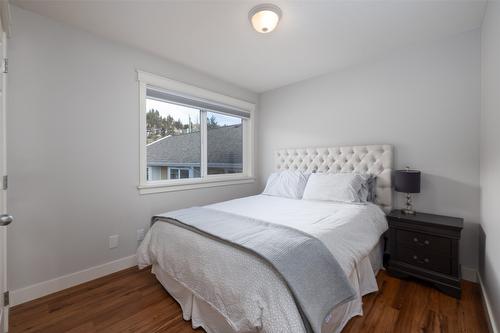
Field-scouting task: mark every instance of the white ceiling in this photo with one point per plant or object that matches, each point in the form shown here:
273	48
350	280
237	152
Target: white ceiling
313	38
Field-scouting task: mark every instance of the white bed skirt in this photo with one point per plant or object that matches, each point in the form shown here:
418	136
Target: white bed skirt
204	315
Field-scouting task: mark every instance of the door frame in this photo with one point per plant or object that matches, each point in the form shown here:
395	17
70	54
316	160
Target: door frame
5	31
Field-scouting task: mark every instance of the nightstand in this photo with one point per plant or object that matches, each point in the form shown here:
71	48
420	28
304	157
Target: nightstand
425	246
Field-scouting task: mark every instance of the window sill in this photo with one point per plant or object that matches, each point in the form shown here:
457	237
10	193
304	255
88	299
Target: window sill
192	184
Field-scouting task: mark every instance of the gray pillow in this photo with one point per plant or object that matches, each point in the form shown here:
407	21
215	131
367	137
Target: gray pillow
368	188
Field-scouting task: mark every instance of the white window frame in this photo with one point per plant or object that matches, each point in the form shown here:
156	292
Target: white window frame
247	176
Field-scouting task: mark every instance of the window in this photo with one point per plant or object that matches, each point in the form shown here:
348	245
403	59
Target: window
176	173
191	137
173	140
224	144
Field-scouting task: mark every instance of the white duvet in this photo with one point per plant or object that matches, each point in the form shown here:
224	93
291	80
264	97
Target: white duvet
243	288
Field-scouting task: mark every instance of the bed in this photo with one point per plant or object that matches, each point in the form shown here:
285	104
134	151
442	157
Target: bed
224	289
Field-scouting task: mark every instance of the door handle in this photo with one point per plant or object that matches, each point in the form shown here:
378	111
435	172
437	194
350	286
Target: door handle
6	219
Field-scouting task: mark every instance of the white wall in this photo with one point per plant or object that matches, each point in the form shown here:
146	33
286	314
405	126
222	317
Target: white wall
490	159
425	101
73	149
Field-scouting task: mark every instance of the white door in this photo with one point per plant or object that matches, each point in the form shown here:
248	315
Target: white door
5	218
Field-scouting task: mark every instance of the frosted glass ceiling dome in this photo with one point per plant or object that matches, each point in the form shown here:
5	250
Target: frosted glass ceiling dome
265	17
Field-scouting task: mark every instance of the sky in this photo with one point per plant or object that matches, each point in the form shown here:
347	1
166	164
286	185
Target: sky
183	113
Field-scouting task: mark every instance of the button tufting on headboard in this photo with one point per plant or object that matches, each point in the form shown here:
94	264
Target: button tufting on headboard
371	159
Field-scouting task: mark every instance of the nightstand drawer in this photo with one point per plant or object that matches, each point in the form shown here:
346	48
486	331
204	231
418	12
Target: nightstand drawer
425	242
431	261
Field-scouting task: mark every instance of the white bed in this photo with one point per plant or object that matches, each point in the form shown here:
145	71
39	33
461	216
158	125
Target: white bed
223	289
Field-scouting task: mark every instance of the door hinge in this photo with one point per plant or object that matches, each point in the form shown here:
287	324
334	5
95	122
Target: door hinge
5	182
6	298
5	65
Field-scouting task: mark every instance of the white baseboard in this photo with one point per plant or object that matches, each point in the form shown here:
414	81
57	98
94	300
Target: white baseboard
489	309
40	289
469	274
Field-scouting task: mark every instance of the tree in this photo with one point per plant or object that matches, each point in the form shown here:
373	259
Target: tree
212	122
169	125
177	125
158	126
153	119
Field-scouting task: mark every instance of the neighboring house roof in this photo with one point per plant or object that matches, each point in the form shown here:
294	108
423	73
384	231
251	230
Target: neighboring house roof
224	147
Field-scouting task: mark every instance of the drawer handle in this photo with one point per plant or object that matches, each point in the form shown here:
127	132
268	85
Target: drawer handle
425	261
425	242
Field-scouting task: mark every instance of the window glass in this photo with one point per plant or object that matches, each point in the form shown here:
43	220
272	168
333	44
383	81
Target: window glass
185	140
173	141
224	144
174	173
184	173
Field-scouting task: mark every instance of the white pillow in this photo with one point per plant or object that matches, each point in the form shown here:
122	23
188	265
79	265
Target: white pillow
288	184
342	187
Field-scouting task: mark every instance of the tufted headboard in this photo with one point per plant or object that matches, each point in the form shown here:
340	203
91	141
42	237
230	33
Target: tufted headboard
370	159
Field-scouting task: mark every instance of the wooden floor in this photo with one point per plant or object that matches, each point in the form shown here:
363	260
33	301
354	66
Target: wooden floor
133	301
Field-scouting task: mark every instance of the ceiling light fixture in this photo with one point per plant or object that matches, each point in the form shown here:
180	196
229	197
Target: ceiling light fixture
265	17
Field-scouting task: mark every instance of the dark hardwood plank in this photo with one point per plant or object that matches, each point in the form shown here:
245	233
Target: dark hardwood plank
133	300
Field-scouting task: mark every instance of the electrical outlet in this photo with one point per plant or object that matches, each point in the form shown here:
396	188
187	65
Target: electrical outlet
113	241
140	234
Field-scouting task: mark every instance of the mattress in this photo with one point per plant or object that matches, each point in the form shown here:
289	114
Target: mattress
216	283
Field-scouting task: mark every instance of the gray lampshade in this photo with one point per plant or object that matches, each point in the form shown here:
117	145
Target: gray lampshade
407	181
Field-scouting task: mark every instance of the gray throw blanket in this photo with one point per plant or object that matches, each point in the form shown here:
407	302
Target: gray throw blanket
313	275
